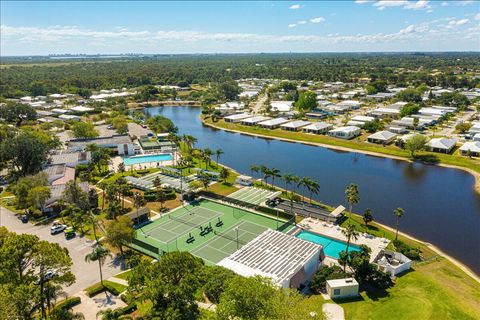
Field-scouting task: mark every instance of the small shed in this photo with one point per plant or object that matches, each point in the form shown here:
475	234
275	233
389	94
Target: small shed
342	288
244	180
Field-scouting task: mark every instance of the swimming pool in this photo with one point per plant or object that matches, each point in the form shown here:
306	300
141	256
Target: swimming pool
128	161
331	247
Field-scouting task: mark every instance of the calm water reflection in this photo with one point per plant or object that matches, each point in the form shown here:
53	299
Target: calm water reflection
441	206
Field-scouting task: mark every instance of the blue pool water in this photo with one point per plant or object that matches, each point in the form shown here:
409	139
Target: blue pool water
128	161
331	247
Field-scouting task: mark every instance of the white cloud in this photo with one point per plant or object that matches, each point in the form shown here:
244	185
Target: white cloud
455	23
302	22
444	4
294	7
292	25
464	2
477	16
405	4
317	20
363	1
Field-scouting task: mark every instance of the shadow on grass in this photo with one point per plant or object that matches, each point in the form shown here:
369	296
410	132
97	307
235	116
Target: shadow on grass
348	300
404	273
375	293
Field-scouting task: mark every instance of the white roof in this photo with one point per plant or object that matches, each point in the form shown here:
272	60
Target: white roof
382	135
295	124
387	110
349	103
61	111
273	122
318	126
363	118
282	106
346	129
57	96
238	116
405	137
81	109
432	111
473	146
339	283
272	254
355	123
442	143
255	119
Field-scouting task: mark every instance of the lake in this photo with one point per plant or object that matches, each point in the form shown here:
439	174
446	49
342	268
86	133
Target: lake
440	204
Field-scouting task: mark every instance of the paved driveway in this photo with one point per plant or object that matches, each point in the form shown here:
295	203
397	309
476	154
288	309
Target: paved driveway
86	273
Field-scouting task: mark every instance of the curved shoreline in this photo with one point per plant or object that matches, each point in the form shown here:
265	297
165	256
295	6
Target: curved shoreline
434	248
475	174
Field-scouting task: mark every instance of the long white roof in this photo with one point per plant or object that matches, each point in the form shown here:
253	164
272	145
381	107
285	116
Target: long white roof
255	119
382	135
473	146
273	122
295	124
272	254
318	126
442	143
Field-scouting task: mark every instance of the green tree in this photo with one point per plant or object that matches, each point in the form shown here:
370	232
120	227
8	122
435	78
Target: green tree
287	179
313	187
367	216
410	95
319	280
38	196
228	90
463	127
224	174
398	212
74	194
409	108
352	196
99	254
82	129
306	101
350	232
218	154
205	179
213	280
120	232
159	124
17	113
415	143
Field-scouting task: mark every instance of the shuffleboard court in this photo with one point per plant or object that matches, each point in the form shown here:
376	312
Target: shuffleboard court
206	228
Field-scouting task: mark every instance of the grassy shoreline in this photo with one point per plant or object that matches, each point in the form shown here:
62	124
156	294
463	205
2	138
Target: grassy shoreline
469	165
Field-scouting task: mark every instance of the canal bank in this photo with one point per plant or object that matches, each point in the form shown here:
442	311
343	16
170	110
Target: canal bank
341	148
440	205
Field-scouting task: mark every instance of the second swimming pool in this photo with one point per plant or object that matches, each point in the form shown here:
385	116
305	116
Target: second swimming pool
331	247
128	161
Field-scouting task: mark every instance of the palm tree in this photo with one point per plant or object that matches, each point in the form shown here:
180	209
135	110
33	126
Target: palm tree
367	217
293	197
287	178
303	182
109	314
253	169
121	167
313	187
206	155
351	233
138	201
296	181
218	154
265	173
274	173
399	214
352	196
99	254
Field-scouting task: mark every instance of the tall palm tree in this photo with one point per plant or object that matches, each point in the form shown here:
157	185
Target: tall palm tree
254	168
218	154
296	181
399	214
313	187
274	173
138	201
303	182
99	254
287	178
292	197
351	233
265	173
206	155
352	196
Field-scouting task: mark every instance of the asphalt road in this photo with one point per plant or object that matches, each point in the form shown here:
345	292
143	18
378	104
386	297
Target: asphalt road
86	273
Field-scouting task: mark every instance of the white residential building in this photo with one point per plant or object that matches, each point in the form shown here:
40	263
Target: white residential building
348	132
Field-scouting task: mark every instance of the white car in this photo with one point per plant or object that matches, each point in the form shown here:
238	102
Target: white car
57	228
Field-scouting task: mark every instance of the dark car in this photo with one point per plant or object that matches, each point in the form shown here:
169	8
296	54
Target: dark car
24	218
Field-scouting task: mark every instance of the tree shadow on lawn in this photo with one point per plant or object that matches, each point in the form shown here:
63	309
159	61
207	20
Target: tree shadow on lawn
375	293
348	300
427	158
119	261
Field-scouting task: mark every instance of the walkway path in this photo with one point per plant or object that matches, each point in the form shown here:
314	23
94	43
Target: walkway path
333	311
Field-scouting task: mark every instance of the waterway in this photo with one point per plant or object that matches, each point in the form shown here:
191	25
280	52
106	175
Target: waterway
440	204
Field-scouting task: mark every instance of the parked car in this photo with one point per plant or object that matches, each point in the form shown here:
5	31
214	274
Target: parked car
57	228
24	218
69	233
47	276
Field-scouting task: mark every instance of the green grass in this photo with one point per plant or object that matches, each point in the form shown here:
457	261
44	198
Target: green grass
391	150
124	275
435	291
113	287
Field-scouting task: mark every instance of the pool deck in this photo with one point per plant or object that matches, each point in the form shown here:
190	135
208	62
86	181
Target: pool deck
335	232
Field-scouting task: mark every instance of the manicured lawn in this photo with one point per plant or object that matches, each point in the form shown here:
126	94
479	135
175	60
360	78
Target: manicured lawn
124	275
437	290
455	160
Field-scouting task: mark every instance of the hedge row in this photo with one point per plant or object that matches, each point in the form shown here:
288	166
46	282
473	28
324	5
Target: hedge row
68	303
152	195
97	288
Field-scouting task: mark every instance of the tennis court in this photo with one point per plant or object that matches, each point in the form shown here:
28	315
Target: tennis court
253	195
206	228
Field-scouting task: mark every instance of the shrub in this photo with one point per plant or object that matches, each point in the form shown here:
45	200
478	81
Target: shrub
319	280
94	289
409	252
68	303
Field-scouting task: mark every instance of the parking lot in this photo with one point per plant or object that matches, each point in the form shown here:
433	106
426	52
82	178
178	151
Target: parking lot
86	273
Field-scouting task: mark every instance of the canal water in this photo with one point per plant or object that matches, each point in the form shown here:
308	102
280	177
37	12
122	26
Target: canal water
440	204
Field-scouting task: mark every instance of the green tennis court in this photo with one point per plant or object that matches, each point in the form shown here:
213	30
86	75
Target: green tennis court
223	223
252	195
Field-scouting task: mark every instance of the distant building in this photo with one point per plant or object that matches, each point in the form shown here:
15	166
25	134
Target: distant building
318	127
441	145
392	262
471	148
382	137
348	132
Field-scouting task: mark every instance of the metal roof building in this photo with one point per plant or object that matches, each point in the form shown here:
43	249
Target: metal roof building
285	259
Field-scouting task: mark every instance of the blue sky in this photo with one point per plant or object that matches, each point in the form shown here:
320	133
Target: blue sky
29	28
